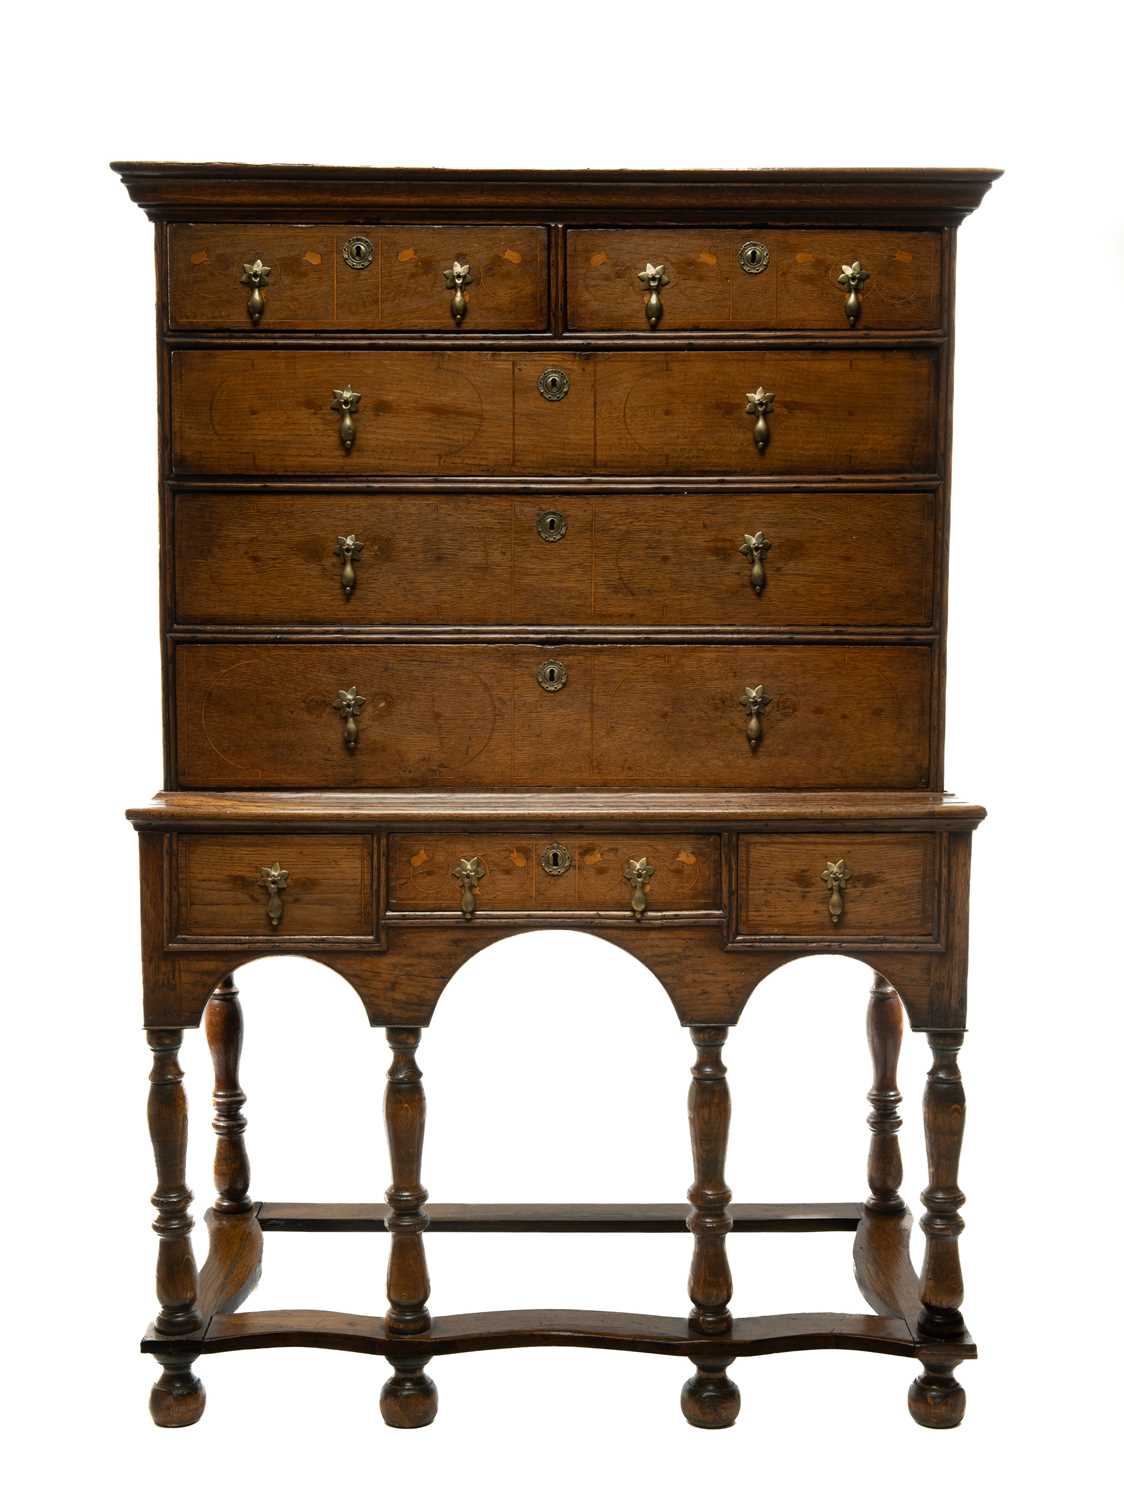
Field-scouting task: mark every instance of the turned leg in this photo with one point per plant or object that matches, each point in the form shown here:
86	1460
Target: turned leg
409	1397
710	1398
935	1397
884	1161
222	1021
178	1397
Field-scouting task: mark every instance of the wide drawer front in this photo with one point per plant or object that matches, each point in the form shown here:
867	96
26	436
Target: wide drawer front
754	559
630	874
276	276
524	716
838	885
751	279
481	412
274	885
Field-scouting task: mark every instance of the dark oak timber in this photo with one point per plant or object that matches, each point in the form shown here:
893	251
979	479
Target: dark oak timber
555	550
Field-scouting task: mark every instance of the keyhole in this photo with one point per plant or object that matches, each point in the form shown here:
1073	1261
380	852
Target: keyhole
551	674
554	859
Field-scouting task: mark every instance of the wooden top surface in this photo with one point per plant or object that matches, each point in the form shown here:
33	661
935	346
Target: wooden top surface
748	810
899	195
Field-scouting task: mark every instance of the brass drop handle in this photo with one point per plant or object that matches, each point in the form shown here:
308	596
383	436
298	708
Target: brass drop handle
346	402
349	705
760	402
756	547
456	279
255	276
653	277
468	873
836	877
347	549
638	872
275	879
754	700
852	279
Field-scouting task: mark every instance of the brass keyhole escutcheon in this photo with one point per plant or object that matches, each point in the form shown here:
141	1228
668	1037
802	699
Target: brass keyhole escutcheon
551	525
554	384
556	859
358	252
552	676
753	257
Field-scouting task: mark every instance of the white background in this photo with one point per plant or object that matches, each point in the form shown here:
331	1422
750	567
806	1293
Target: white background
556	1068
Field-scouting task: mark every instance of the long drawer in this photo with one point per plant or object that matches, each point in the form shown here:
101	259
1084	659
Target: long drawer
762	559
356	277
751	279
472	716
479	412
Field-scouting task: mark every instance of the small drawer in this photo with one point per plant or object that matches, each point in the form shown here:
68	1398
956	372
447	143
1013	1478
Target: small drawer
762	559
838	886
732	279
283	887
400	277
558	872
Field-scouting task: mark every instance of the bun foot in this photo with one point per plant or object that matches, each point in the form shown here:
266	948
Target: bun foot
936	1398
710	1398
409	1397
178	1397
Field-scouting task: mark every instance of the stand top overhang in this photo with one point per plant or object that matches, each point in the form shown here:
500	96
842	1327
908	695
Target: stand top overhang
900	196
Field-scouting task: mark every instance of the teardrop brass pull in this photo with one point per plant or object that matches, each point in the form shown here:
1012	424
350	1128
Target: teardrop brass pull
456	279
653	277
346	402
468	873
756	547
275	879
638	872
347	549
255	276
852	279
760	402
754	700
349	705
836	878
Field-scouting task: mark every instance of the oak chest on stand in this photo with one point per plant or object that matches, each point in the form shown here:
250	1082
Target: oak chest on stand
555	550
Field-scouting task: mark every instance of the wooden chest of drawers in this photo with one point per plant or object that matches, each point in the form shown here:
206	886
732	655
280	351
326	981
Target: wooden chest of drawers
561	549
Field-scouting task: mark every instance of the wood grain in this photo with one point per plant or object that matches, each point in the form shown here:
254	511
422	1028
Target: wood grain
462	559
475	716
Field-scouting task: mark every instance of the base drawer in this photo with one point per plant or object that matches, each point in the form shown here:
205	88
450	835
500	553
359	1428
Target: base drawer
262	886
627	874
839	886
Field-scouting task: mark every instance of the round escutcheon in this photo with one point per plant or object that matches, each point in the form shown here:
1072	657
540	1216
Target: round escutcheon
753	257
552	676
554	384
556	859
358	252
551	525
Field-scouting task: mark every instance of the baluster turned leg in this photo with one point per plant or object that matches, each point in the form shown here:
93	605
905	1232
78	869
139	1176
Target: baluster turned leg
884	1161
178	1397
409	1397
710	1398
222	1021
936	1399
